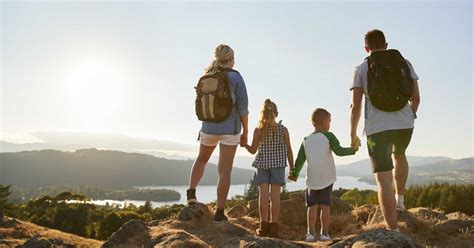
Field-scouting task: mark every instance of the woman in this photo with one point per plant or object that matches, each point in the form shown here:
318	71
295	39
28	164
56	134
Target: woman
225	133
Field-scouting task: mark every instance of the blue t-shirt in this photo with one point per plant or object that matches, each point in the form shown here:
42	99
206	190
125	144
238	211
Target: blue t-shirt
231	125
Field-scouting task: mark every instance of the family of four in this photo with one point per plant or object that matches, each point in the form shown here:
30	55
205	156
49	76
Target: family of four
388	128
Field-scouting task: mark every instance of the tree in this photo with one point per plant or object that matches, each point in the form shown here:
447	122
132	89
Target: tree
4	193
109	225
251	192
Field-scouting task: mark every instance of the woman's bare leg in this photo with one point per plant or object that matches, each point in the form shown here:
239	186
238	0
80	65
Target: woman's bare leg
226	160
205	153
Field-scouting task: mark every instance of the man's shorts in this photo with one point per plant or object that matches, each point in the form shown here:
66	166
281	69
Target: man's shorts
213	139
270	176
318	197
382	145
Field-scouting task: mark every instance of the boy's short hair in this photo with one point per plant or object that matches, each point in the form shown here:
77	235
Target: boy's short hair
318	115
375	39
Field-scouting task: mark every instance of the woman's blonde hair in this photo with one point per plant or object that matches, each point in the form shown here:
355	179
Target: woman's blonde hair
223	54
268	114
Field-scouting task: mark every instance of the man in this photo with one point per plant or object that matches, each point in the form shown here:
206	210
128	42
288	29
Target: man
388	132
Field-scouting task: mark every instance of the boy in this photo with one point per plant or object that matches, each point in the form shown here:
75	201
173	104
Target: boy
317	148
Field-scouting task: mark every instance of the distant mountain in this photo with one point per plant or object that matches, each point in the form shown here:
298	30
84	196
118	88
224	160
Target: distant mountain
363	168
94	167
449	170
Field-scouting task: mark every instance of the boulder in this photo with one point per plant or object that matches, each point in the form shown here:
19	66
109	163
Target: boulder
237	211
178	239
377	238
452	226
36	242
194	211
428	214
268	243
132	233
459	216
363	212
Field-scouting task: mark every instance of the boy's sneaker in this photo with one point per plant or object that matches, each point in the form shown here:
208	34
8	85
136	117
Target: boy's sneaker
309	238
325	237
219	216
191	195
401	206
400	202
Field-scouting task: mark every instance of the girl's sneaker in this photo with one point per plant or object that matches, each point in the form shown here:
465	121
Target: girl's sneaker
325	237
309	238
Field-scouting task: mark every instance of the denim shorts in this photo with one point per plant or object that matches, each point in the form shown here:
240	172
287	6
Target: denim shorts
270	176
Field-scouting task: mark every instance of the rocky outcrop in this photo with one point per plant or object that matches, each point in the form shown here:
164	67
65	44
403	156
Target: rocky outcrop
359	227
132	233
377	238
194	211
270	243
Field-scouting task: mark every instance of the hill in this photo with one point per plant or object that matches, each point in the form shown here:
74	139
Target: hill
15	232
102	168
423	170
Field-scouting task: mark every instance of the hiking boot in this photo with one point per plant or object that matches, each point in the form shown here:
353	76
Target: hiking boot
274	230
191	195
263	230
220	216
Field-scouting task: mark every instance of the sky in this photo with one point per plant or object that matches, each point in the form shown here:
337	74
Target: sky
129	68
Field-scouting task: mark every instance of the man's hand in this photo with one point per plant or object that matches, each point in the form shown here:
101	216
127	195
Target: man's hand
355	142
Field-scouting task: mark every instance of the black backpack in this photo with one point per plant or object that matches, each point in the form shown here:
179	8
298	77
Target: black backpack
213	96
390	84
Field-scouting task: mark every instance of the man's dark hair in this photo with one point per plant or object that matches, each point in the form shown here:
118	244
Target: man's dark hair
375	39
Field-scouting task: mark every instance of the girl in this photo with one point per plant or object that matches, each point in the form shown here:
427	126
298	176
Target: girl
271	141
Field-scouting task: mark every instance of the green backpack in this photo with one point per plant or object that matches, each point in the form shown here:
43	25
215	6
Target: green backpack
214	101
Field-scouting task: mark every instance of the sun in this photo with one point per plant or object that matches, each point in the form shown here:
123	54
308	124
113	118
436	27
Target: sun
95	91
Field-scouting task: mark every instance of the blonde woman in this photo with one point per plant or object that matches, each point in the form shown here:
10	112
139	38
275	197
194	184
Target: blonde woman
271	141
228	133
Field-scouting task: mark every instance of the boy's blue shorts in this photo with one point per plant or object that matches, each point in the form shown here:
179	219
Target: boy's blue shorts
270	176
318	197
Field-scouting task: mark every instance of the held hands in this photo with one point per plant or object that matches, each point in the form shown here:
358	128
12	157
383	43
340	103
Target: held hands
355	142
291	176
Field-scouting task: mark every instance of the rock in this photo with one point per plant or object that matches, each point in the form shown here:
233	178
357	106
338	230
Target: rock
37	243
451	226
377	238
428	214
132	233
179	239
375	217
363	212
237	211
194	211
458	216
268	243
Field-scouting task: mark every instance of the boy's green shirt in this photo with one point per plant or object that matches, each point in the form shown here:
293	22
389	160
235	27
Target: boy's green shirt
334	145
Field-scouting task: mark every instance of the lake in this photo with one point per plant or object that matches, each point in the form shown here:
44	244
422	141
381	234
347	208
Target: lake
207	193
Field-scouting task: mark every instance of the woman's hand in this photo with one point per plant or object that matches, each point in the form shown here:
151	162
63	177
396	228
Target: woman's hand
243	138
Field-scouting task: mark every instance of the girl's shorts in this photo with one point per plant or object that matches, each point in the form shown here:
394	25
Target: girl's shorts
270	176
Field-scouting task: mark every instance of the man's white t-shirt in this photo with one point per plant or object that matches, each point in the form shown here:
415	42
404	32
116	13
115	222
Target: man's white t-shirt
376	120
